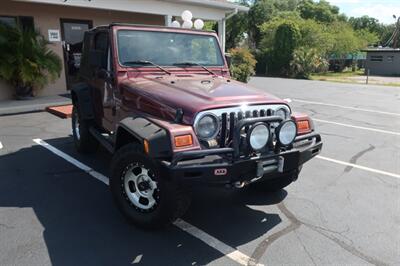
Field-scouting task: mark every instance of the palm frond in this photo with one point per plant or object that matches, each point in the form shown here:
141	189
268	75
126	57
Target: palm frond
26	59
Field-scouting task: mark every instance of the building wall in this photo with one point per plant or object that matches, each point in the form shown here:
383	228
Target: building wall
48	17
389	66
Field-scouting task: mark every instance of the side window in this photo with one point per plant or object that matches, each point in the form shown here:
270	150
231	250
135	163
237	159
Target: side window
376	58
101	47
84	69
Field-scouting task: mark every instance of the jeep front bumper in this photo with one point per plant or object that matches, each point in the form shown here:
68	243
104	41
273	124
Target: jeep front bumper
223	167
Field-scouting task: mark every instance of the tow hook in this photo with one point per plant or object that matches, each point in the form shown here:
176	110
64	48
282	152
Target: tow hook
239	184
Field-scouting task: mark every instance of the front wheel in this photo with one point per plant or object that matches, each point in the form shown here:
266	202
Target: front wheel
141	194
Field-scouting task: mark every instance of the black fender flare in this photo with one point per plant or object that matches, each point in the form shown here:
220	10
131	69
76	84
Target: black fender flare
81	98
139	129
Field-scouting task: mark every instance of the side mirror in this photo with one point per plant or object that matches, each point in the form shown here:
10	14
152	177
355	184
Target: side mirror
104	74
228	59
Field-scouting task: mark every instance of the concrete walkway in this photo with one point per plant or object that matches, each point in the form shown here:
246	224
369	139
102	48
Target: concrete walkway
9	107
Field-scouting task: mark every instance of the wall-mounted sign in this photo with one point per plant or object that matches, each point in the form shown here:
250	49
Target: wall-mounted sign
54	36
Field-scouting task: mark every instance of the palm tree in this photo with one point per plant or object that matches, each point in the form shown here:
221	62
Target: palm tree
26	62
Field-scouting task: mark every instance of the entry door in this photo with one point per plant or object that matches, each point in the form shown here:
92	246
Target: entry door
72	32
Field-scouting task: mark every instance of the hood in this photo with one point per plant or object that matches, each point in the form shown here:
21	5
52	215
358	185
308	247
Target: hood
191	93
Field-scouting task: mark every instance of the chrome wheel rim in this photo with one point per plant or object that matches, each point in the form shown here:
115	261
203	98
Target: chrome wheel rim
76	125
140	188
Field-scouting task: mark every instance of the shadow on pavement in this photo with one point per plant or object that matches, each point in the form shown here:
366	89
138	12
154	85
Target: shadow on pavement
82	226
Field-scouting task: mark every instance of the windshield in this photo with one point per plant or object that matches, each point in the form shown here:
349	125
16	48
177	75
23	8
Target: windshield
168	48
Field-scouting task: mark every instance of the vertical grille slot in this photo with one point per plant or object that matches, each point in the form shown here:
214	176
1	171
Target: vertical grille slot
231	125
240	115
223	130
248	115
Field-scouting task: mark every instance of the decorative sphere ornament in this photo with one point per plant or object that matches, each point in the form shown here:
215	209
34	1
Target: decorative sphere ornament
175	24
187	24
187	15
198	24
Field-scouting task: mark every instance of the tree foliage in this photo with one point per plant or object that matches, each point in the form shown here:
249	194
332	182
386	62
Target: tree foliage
242	64
287	37
264	10
307	61
320	11
303	24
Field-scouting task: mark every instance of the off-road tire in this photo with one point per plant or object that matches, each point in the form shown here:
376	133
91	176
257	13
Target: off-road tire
83	140
173	200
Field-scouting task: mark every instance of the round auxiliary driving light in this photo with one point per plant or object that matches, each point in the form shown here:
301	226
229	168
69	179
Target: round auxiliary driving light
207	127
258	136
286	132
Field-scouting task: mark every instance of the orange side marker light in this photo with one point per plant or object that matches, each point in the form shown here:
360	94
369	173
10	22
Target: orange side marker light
183	141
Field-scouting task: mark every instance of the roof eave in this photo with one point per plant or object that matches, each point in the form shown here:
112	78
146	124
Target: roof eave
215	4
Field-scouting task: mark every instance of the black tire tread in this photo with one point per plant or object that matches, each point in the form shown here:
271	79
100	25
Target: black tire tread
87	143
175	207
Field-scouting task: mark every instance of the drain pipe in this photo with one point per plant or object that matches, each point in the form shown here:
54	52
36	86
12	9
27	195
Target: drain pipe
222	27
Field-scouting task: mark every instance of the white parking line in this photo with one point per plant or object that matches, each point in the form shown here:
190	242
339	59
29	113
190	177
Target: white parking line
359	167
211	241
73	161
347	107
228	251
358	127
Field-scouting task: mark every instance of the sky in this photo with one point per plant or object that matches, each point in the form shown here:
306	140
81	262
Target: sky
383	10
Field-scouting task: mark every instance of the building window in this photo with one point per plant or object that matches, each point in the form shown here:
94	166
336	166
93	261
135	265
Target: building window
25	22
376	58
9	21
390	58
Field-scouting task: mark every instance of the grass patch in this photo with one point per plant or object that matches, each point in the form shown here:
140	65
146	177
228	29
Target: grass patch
357	77
337	75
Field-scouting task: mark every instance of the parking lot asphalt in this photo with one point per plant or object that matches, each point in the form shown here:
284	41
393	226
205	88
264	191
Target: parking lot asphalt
344	209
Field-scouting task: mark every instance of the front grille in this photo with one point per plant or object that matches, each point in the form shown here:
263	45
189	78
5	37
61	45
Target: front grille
229	117
229	120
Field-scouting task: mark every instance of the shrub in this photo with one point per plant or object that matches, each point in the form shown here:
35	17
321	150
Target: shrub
26	62
242	64
306	61
287	37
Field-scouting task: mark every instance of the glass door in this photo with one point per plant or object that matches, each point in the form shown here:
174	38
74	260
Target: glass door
72	32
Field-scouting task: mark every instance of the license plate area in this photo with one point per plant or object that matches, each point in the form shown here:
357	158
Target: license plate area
280	164
270	166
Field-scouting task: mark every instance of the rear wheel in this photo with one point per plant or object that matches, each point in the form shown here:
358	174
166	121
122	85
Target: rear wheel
141	194
83	140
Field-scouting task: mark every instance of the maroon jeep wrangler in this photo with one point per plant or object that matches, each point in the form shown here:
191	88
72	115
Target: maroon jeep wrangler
162	101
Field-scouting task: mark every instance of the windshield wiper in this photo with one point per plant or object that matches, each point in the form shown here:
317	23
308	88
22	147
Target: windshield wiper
145	62
194	64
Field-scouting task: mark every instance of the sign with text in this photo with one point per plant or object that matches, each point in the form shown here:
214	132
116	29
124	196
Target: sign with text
54	36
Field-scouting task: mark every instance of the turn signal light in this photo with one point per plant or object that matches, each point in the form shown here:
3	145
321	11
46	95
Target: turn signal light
146	146
184	140
303	126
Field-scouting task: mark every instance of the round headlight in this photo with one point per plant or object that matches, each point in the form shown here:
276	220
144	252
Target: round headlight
287	132
258	136
207	127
